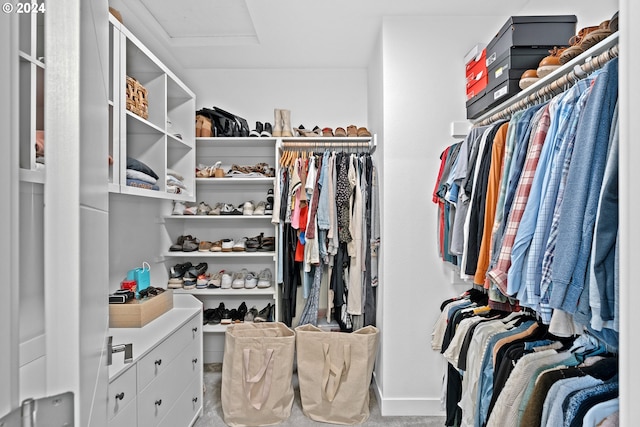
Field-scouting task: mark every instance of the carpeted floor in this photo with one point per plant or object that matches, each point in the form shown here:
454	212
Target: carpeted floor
212	415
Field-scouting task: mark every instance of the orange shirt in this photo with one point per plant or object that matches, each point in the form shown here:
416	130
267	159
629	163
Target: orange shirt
493	190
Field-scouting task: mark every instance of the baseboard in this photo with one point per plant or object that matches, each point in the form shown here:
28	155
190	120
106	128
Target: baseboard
406	406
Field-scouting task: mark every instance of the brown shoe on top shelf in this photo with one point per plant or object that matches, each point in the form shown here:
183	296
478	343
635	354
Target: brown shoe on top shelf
596	36
528	78
550	63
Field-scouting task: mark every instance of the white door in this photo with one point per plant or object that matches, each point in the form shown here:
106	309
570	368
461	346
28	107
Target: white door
76	204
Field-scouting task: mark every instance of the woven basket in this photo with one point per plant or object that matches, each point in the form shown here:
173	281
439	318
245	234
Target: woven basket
137	98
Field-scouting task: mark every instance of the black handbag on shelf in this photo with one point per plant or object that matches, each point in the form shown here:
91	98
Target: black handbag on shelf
224	123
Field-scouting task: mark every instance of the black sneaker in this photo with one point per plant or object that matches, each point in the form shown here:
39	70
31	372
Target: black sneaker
225	317
264	315
251	314
216	315
178	270
241	312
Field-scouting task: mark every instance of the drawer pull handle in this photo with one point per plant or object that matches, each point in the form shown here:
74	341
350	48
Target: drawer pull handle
195	360
158	362
120	396
158	402
194	400
194	329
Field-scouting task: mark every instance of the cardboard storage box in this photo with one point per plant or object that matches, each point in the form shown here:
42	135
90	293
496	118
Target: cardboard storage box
137	313
533	31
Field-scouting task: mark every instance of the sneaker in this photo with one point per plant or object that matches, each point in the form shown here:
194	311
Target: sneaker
251	314
260	208
215	210
251	281
252	244
239	279
227	209
225	317
216	316
241	312
227	245
178	208
178	270
248	208
268	209
203	209
216	280
203	280
270	195
264	278
204	246
216	246
226	280
239	246
264	315
190	209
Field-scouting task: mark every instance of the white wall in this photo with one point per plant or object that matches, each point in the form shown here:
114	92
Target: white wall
322	97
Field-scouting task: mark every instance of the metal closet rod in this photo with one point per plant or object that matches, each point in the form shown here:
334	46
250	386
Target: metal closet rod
555	87
315	145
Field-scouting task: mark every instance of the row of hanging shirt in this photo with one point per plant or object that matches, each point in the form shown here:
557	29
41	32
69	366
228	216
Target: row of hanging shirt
529	208
327	208
507	370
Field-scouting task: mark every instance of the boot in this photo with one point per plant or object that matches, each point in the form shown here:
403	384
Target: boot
286	123
277	123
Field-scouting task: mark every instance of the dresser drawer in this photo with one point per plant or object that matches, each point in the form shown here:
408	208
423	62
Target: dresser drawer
127	416
187	408
122	391
157	399
157	361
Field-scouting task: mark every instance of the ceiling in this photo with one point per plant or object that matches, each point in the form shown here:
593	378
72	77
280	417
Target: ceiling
283	33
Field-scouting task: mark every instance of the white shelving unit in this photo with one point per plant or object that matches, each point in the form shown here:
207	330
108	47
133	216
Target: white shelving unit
31	93
234	190
166	138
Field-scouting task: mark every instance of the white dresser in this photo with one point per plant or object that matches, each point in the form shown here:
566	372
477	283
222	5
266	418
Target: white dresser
162	386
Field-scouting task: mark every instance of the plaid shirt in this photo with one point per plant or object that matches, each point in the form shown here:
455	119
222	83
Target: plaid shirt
498	275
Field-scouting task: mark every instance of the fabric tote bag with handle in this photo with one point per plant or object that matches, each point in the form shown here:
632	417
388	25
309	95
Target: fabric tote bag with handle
334	372
257	370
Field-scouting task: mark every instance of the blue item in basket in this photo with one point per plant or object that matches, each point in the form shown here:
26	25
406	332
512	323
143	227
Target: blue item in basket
141	276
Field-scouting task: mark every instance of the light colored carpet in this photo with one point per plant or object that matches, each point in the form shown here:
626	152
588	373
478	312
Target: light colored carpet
212	415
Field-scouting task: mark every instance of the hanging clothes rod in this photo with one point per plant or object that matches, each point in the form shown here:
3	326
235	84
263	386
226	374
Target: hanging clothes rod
558	85
310	144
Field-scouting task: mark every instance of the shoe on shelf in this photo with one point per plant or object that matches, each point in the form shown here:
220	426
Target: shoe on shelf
550	63
227	209
204	246
528	78
267	131
270	195
252	244
215	210
268	209
251	314
190	279
268	244
216	315
178	208
596	36
352	131
190	209
264	278
327	132
203	209
216	246
178	270
248	208
203	281
258	130
225	317
251	281
216	280
240	245
226	280
179	243
239	278
363	132
190	245
260	208
264	315
340	132
227	245
241	312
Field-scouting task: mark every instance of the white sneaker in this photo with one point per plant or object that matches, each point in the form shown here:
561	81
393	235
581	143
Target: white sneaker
248	208
239	246
227	245
216	280
178	208
250	281
239	279
260	208
264	278
225	281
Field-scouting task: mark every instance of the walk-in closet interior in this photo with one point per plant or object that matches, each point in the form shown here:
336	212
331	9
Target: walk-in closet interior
83	219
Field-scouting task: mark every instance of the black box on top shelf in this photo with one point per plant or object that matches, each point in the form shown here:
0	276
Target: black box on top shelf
533	31
512	63
477	105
